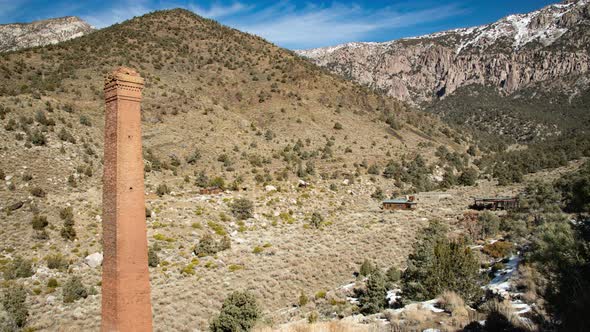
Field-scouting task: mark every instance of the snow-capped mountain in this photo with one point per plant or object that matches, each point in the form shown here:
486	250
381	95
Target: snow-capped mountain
23	35
512	53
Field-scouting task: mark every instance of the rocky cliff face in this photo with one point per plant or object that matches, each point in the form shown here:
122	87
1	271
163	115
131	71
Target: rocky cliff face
23	35
510	54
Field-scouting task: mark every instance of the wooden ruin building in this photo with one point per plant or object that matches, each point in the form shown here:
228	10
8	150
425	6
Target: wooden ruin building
496	203
408	203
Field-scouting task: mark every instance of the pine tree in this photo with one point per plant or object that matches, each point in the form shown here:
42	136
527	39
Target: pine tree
374	298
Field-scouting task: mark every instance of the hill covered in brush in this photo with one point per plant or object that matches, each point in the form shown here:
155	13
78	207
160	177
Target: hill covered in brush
220	108
232	96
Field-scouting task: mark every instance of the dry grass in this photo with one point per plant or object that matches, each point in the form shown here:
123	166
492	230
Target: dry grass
451	302
333	326
502	310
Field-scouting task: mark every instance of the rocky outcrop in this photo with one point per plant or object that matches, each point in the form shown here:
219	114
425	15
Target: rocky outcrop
548	44
39	33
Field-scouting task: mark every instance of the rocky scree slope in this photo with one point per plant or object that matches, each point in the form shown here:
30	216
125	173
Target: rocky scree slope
16	36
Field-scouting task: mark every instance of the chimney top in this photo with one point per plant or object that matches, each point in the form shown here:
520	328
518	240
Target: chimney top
123	74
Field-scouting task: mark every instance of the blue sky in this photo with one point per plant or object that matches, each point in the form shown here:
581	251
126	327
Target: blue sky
293	24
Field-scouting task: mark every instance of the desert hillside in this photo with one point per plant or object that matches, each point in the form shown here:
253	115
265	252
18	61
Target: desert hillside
220	109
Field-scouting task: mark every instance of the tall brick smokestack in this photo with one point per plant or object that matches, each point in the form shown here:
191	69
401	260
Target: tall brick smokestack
126	303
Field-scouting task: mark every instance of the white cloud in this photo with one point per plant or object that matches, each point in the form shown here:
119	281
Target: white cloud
284	22
218	10
314	26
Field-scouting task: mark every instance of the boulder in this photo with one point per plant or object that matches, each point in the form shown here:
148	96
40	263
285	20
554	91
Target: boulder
93	260
270	188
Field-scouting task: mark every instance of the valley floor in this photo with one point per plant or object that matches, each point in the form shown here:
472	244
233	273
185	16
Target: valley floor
291	258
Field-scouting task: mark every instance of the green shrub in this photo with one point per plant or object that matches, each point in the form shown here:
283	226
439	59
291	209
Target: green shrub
193	157
65	136
38	192
392	170
316	220
67	231
36	137
85	120
338	126
575	188
57	261
153	259
18	268
52	283
468	177
498	249
303	299
366	268
74	290
39	222
374	298
560	251
217	182
392	275
320	294
490	224
516	228
42	119
209	246
239	312
235	267
313	317
189	269
373	169
66	213
242	208
378	194
437	265
162	190
14	302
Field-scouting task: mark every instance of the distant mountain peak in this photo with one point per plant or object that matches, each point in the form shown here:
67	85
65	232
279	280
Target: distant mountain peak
505	54
16	36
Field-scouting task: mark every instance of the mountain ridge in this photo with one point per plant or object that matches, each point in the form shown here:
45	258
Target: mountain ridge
16	36
552	41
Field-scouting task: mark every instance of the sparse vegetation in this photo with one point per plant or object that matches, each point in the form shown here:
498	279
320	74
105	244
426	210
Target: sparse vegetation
18	268
239	312
162	190
207	245
153	259
437	264
14	302
373	300
316	219
67	231
242	208
39	222
57	261
73	290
